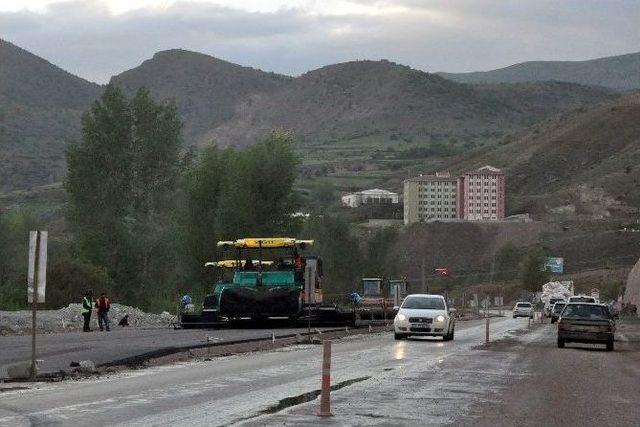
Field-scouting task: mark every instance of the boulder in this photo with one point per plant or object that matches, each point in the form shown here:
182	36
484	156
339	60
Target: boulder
86	367
21	371
632	289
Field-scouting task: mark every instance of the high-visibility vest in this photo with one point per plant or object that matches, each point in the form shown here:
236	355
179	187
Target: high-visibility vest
86	306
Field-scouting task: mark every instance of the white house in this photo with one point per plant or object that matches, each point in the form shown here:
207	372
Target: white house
373	196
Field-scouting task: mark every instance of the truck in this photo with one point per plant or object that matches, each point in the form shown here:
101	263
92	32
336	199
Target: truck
555	291
267	279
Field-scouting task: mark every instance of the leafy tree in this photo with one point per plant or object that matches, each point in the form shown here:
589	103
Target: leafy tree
508	261
340	251
14	244
121	182
533	273
238	193
382	259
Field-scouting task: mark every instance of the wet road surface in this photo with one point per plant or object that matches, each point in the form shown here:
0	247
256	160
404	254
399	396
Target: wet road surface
383	382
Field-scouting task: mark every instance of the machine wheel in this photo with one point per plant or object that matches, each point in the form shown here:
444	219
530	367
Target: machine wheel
560	343
514	316
398	336
610	345
452	333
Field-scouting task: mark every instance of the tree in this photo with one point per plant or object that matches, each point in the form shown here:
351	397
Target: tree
382	259
121	182
340	251
14	243
508	261
239	193
533	273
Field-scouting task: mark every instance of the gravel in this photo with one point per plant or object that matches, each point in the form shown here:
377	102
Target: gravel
70	319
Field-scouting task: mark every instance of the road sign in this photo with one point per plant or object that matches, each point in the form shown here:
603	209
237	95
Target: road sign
37	269
554	265
36	284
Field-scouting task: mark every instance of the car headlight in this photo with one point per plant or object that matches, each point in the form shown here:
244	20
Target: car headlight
440	318
401	317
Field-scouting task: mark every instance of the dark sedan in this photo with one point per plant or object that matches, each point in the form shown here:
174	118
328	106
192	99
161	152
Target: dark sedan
586	323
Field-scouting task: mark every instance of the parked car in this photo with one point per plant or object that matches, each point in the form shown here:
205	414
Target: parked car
424	315
586	323
583	298
523	309
556	310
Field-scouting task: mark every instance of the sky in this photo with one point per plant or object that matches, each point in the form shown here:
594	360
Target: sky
96	39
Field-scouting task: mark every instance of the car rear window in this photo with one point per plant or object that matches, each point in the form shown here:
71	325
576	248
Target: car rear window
585	311
424	303
558	308
582	299
523	304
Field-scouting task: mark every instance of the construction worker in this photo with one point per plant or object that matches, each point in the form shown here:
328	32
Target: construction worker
103	305
86	310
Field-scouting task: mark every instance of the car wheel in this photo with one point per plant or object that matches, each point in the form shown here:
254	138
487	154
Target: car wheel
610	345
560	343
514	316
399	336
451	334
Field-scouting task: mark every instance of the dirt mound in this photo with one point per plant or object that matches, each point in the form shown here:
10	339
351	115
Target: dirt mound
70	319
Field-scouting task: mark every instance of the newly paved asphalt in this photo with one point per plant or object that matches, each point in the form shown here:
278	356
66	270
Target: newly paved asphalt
58	350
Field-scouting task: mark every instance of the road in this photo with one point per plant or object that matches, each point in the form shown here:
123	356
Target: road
383	382
58	350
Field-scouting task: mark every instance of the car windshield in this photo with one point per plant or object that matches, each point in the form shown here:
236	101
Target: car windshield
425	303
585	311
523	304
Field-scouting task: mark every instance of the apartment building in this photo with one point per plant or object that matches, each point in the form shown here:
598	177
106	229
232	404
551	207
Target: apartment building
430	198
481	195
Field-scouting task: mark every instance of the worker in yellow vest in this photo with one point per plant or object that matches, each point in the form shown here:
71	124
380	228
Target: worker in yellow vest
86	310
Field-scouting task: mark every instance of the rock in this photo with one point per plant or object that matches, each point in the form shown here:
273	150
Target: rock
632	289
86	367
21	370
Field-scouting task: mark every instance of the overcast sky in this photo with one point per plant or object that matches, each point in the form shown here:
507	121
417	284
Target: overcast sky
96	39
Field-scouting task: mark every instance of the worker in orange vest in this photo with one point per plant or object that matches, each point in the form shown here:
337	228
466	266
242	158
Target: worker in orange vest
103	305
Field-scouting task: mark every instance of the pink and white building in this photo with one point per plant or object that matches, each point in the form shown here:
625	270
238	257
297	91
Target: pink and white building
481	195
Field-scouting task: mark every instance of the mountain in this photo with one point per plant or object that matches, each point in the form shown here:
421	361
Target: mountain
40	109
205	89
360	98
377	102
583	163
620	72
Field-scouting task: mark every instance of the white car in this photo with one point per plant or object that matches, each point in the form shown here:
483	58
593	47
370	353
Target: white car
523	309
425	315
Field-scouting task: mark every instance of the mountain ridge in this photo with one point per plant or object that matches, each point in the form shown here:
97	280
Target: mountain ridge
619	72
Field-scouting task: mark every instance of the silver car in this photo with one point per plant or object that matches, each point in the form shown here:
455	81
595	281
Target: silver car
523	309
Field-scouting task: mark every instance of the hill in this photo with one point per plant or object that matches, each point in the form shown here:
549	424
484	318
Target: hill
584	163
341	113
620	72
205	89
40	109
365	98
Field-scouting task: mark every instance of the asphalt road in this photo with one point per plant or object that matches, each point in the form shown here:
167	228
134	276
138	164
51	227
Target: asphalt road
383	382
58	350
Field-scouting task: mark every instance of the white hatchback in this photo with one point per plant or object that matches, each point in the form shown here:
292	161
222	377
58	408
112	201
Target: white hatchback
426	315
523	309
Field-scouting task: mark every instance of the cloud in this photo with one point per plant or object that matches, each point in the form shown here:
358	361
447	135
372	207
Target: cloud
88	39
